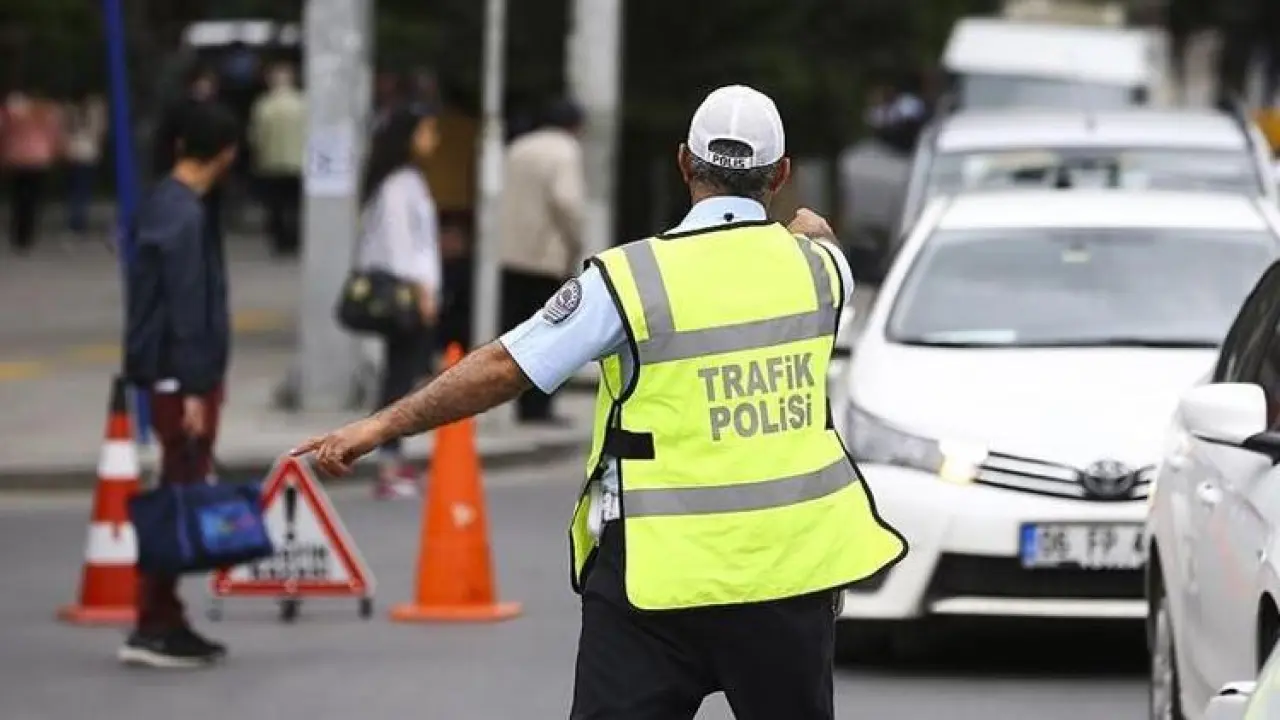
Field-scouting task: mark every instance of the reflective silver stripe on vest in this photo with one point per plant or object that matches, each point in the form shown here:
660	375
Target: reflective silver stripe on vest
666	344
738	498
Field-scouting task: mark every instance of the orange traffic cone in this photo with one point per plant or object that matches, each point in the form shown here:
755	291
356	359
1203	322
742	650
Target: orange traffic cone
109	583
455	572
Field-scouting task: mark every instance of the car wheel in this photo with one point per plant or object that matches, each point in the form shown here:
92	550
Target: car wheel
1166	699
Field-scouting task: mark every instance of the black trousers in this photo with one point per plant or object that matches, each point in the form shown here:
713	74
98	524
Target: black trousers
772	660
26	197
407	359
524	294
282	200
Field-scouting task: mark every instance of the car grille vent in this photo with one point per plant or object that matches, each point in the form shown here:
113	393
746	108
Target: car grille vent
1043	478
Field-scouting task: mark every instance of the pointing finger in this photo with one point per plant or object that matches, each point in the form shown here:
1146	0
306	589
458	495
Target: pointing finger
308	446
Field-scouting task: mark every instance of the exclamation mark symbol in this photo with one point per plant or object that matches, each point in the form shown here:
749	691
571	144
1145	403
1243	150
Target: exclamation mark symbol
290	531
290	514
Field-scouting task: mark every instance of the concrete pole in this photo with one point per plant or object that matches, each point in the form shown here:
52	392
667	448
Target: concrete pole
594	56
486	300
337	58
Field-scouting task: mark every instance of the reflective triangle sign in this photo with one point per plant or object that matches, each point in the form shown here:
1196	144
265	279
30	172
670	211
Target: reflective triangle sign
314	553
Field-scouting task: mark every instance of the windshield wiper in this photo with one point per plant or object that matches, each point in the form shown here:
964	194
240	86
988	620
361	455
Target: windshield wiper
922	342
1120	341
1106	342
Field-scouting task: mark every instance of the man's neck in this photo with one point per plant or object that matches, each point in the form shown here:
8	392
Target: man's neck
193	176
697	195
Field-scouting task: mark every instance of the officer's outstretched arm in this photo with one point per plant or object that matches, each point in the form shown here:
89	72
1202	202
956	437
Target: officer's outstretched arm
483	379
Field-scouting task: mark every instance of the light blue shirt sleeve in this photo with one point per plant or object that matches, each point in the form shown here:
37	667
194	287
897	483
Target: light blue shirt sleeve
550	353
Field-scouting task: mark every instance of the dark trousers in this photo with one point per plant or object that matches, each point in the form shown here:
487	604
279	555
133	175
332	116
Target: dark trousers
79	196
26	196
182	460
282	200
407	360
524	294
772	660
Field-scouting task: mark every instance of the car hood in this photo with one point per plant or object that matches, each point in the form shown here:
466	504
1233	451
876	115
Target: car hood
1065	405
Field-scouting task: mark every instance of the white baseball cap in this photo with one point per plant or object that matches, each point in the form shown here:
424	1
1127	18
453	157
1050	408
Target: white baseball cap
742	114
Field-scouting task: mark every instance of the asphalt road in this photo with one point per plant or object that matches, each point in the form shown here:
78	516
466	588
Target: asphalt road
331	665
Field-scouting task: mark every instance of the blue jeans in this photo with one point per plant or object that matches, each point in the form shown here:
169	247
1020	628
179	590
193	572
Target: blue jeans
79	196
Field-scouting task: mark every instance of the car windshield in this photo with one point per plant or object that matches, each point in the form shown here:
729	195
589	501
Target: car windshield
1231	171
1078	287
980	90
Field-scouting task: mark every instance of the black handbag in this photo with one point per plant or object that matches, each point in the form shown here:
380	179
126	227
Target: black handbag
377	302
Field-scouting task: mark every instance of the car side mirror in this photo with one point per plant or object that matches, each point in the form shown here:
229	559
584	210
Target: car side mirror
1230	702
1231	414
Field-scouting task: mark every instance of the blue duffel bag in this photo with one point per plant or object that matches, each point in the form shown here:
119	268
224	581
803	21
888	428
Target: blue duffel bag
198	527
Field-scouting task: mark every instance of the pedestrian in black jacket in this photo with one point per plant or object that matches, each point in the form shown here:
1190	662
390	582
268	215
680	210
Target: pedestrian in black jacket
177	345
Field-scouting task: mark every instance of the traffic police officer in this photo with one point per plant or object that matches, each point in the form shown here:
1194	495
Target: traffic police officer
721	515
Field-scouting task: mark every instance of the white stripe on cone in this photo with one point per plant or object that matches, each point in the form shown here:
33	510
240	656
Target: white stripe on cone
111	544
119	460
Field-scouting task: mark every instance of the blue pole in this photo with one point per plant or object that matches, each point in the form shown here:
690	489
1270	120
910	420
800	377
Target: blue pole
126	173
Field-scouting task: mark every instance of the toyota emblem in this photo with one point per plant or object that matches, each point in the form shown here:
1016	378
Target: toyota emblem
1109	480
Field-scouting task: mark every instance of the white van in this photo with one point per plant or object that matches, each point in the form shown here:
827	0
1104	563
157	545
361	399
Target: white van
998	63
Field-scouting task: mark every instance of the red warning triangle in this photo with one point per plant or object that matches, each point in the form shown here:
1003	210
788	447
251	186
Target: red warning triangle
314	553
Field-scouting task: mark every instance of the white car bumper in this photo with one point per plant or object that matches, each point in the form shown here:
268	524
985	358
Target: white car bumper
963	556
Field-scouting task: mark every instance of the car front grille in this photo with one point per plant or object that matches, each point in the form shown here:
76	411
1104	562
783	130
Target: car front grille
976	575
1043	478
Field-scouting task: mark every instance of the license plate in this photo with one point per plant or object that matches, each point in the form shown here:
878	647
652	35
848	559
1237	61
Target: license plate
1092	546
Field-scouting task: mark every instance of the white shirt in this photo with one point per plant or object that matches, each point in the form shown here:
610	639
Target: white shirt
400	231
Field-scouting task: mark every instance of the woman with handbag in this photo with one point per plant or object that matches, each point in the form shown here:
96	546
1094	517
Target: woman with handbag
400	240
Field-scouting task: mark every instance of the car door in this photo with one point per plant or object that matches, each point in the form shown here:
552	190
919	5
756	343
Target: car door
1221	516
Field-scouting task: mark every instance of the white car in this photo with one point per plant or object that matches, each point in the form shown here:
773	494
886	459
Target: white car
1183	149
1214	576
1009	388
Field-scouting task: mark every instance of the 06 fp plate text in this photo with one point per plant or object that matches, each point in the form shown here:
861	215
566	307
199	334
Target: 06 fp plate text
1092	546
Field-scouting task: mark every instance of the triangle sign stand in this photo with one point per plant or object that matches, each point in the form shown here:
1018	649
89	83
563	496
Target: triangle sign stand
315	555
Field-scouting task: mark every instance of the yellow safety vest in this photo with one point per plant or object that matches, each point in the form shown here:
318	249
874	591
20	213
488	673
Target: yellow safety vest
734	486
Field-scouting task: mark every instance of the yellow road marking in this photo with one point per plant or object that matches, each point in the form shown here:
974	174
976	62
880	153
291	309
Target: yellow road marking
249	321
21	370
258	320
108	352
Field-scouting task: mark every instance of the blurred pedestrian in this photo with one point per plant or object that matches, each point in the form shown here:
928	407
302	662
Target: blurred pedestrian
387	96
400	234
86	127
202	91
1237	22
1269	29
721	518
540	226
30	144
277	133
897	113
177	344
423	87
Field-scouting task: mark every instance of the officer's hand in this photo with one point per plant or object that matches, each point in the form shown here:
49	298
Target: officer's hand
336	452
811	224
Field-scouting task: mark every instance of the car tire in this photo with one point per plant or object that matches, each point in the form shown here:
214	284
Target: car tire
1164	699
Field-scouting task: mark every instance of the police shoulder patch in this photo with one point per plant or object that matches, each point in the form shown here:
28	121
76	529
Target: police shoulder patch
564	303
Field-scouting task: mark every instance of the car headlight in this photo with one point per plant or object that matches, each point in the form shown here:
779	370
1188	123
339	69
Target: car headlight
872	440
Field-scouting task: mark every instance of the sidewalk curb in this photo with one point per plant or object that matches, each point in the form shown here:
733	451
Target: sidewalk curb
253	468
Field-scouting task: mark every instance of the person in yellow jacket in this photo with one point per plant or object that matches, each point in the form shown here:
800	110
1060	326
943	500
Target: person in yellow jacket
721	516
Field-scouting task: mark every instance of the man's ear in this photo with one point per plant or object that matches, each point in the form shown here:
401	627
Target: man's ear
684	161
781	175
